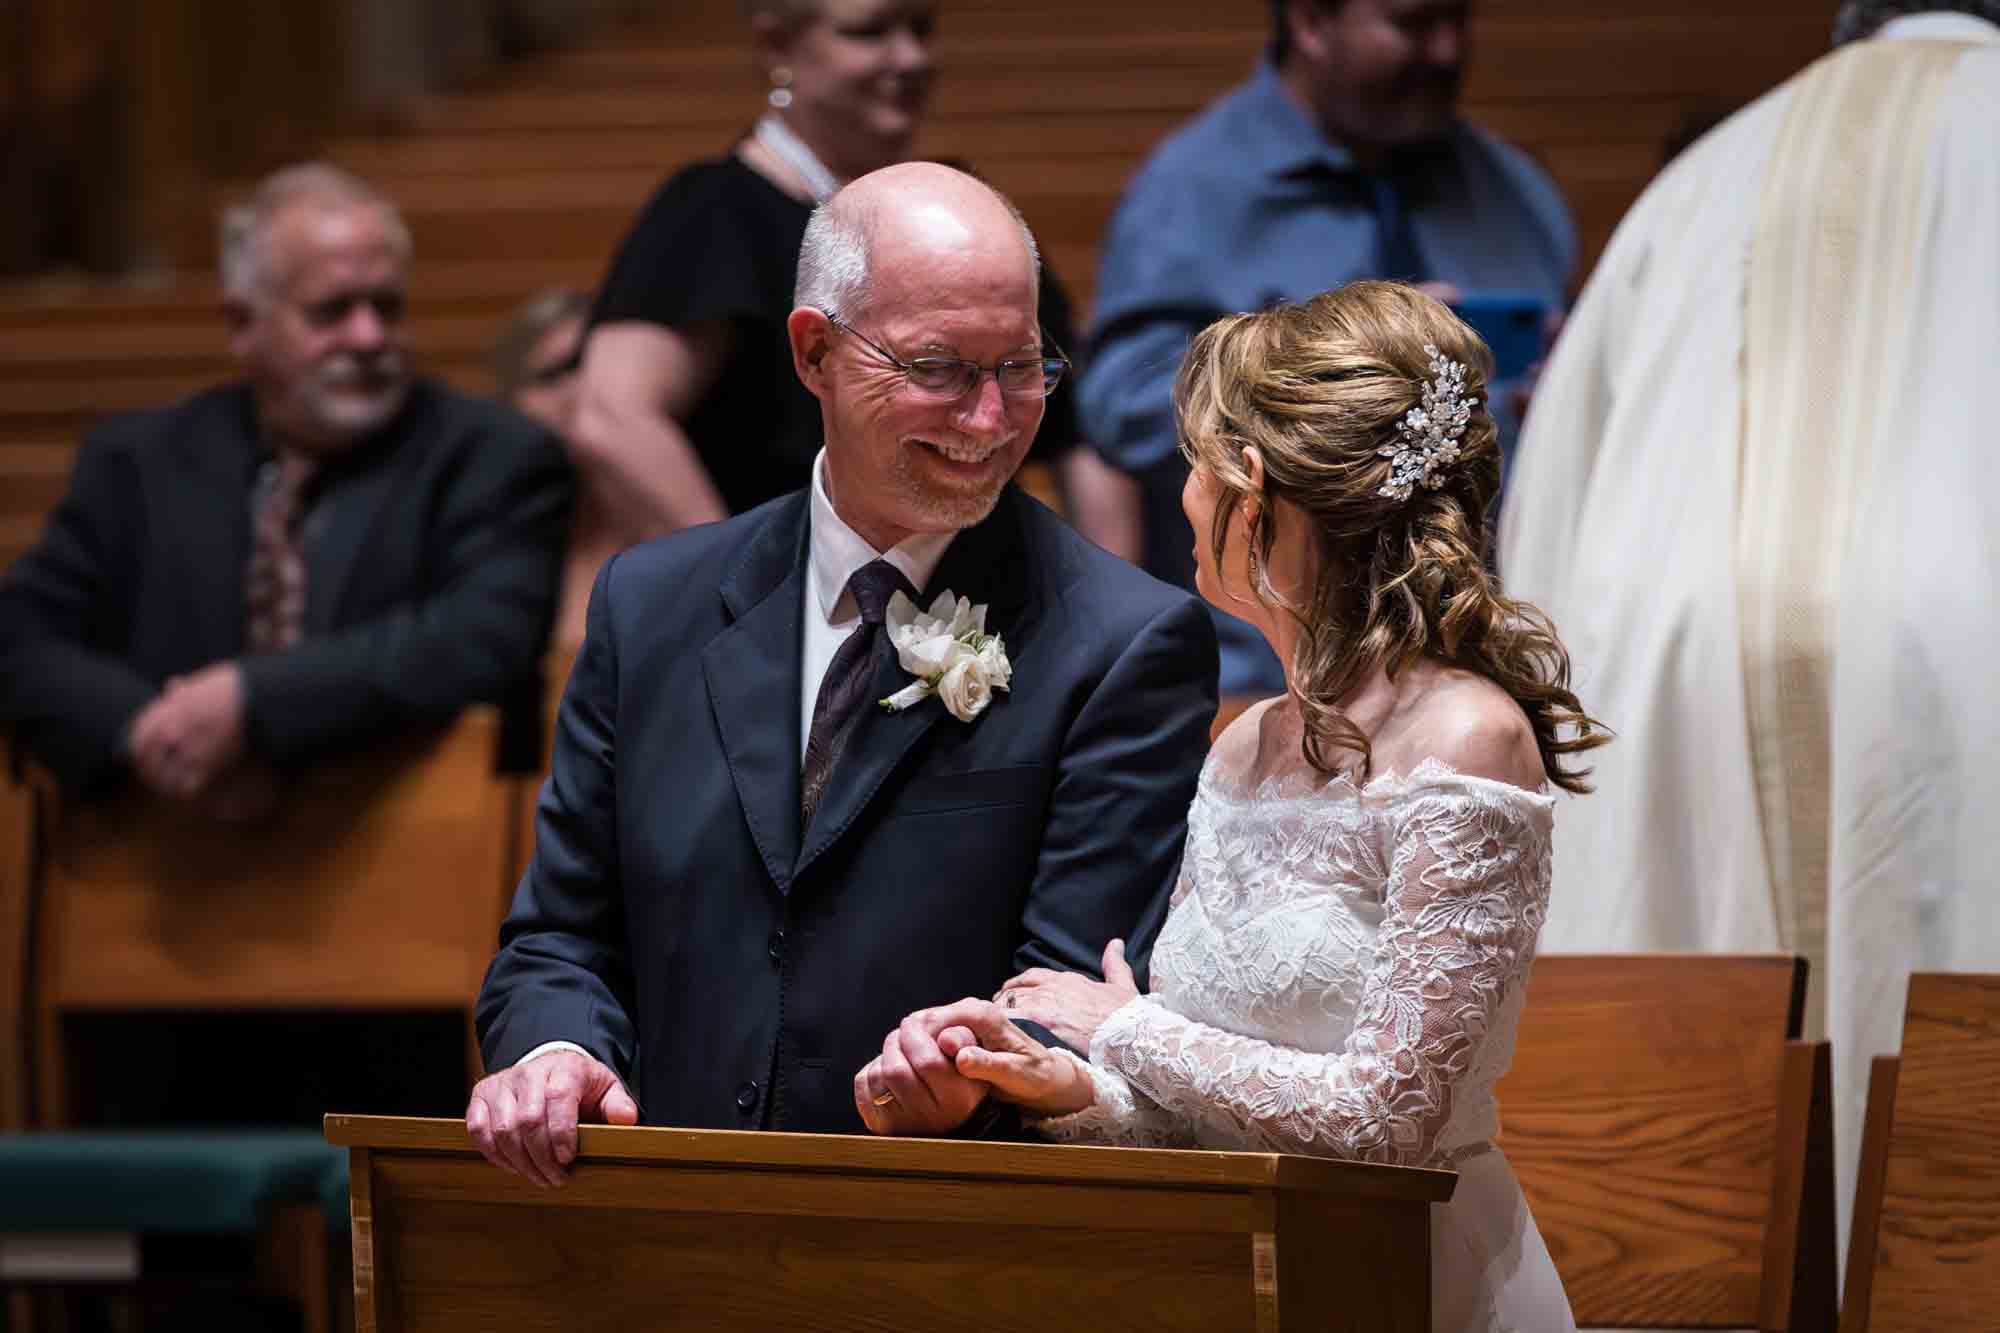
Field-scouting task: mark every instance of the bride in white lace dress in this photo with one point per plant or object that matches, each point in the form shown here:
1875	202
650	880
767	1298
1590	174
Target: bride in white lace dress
1344	961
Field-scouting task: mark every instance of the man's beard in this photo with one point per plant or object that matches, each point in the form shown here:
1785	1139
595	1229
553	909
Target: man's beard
952	507
348	398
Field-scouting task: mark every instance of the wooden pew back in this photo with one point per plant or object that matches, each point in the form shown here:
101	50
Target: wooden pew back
378	885
1658	1114
1925	1246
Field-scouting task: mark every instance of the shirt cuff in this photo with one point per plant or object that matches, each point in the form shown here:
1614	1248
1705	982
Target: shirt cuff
548	1046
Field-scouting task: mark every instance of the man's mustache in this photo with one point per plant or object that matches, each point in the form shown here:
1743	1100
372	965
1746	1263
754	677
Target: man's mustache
359	372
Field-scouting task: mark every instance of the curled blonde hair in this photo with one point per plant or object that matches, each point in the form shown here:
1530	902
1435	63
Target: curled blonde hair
1317	388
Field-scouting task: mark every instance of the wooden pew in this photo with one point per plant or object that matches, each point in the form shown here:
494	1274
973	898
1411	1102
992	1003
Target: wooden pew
379	885
1924	1250
1673	1137
17	849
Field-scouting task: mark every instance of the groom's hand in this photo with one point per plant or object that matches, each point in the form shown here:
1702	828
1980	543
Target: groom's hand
914	1087
524	1119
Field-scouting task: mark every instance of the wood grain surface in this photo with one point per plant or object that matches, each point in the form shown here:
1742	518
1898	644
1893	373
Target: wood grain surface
714	1229
1937	1246
378	885
1643	1117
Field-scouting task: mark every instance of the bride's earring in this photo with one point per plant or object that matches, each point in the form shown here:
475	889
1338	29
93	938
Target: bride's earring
780	95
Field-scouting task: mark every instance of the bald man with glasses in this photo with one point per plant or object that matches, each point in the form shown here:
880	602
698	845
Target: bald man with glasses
780	817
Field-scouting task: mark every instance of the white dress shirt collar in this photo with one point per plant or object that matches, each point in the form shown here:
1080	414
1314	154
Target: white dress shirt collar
835	551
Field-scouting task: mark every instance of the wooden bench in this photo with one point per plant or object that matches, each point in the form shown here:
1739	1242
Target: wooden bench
1924	1250
379	885
1673	1137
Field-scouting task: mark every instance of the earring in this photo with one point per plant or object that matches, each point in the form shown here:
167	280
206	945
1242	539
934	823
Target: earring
780	95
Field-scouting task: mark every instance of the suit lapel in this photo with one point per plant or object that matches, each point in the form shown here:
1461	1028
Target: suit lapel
213	526
752	669
987	563
354	502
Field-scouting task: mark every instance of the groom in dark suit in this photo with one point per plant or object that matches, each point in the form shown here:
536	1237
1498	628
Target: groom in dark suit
747	868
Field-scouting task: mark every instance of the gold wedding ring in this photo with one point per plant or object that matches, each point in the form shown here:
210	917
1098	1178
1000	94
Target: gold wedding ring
885	1099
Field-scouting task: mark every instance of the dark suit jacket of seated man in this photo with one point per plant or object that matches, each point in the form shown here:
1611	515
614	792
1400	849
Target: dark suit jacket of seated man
432	552
735	971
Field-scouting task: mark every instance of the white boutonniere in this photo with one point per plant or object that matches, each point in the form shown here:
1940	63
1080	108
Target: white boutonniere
949	652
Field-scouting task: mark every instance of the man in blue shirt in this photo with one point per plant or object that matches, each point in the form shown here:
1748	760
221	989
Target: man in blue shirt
1341	158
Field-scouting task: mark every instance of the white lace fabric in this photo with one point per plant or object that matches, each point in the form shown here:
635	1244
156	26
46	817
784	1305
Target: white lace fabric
1340	972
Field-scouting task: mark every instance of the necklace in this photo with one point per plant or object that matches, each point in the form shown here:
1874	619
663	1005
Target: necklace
790	149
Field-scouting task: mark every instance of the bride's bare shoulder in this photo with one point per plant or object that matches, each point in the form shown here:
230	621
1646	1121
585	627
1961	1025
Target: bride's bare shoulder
1466	722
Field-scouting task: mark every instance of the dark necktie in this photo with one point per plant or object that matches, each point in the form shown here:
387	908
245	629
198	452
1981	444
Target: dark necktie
843	690
276	588
1396	255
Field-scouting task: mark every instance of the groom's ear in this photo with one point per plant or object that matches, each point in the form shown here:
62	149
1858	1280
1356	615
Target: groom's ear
811	334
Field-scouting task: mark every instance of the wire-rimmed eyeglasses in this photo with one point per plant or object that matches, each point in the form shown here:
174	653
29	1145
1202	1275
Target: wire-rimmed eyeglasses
949	378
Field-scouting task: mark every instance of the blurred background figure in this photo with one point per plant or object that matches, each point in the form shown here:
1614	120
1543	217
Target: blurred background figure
1753	493
688	409
538	355
537	362
271	572
332	551
1342	157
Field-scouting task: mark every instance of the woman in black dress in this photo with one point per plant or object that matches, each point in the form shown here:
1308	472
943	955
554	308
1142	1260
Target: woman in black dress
689	409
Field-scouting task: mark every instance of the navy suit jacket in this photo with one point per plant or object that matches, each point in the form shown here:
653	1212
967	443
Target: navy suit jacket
736	971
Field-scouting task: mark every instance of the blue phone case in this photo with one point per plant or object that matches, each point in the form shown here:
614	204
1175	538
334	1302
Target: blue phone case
1511	324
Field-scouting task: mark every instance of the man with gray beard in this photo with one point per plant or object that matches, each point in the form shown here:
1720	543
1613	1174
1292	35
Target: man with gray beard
274	571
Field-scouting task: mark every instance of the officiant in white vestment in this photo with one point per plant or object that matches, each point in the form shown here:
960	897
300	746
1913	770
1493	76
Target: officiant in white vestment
1758	490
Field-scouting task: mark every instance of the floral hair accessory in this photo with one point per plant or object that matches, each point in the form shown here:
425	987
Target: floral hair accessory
1429	433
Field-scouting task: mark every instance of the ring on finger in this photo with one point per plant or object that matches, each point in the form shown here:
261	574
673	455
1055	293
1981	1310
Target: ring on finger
883	1100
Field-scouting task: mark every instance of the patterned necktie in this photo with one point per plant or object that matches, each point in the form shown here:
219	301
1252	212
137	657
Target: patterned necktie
276	588
844	688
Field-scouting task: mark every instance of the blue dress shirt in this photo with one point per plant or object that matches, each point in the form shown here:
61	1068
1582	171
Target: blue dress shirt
1249	205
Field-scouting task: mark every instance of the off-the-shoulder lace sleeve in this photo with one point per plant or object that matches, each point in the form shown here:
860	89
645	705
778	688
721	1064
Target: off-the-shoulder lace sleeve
1465	898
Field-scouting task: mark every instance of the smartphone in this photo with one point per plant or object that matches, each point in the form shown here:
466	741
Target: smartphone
1511	323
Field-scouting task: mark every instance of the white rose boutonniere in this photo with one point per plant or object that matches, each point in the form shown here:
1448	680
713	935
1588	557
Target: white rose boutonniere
949	652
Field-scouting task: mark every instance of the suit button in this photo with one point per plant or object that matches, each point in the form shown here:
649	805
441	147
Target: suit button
775	946
746	1097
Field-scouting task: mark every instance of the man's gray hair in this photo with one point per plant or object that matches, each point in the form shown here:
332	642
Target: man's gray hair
833	257
1860	18
245	258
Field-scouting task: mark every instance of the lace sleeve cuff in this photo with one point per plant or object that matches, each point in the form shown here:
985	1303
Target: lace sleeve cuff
1119	1112
1118	1115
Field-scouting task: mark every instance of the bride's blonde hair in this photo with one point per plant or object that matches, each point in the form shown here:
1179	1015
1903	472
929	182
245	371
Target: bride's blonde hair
1318	388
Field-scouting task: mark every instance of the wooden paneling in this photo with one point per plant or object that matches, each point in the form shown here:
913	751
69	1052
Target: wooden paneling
1937	1245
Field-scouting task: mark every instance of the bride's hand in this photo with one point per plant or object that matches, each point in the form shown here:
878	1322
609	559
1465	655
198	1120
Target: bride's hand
1018	1068
1067	1004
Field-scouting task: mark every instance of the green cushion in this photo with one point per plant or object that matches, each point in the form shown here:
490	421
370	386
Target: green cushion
163	1180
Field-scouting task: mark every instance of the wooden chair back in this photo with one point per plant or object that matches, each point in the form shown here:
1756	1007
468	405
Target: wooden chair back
1673	1138
379	885
1924	1250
